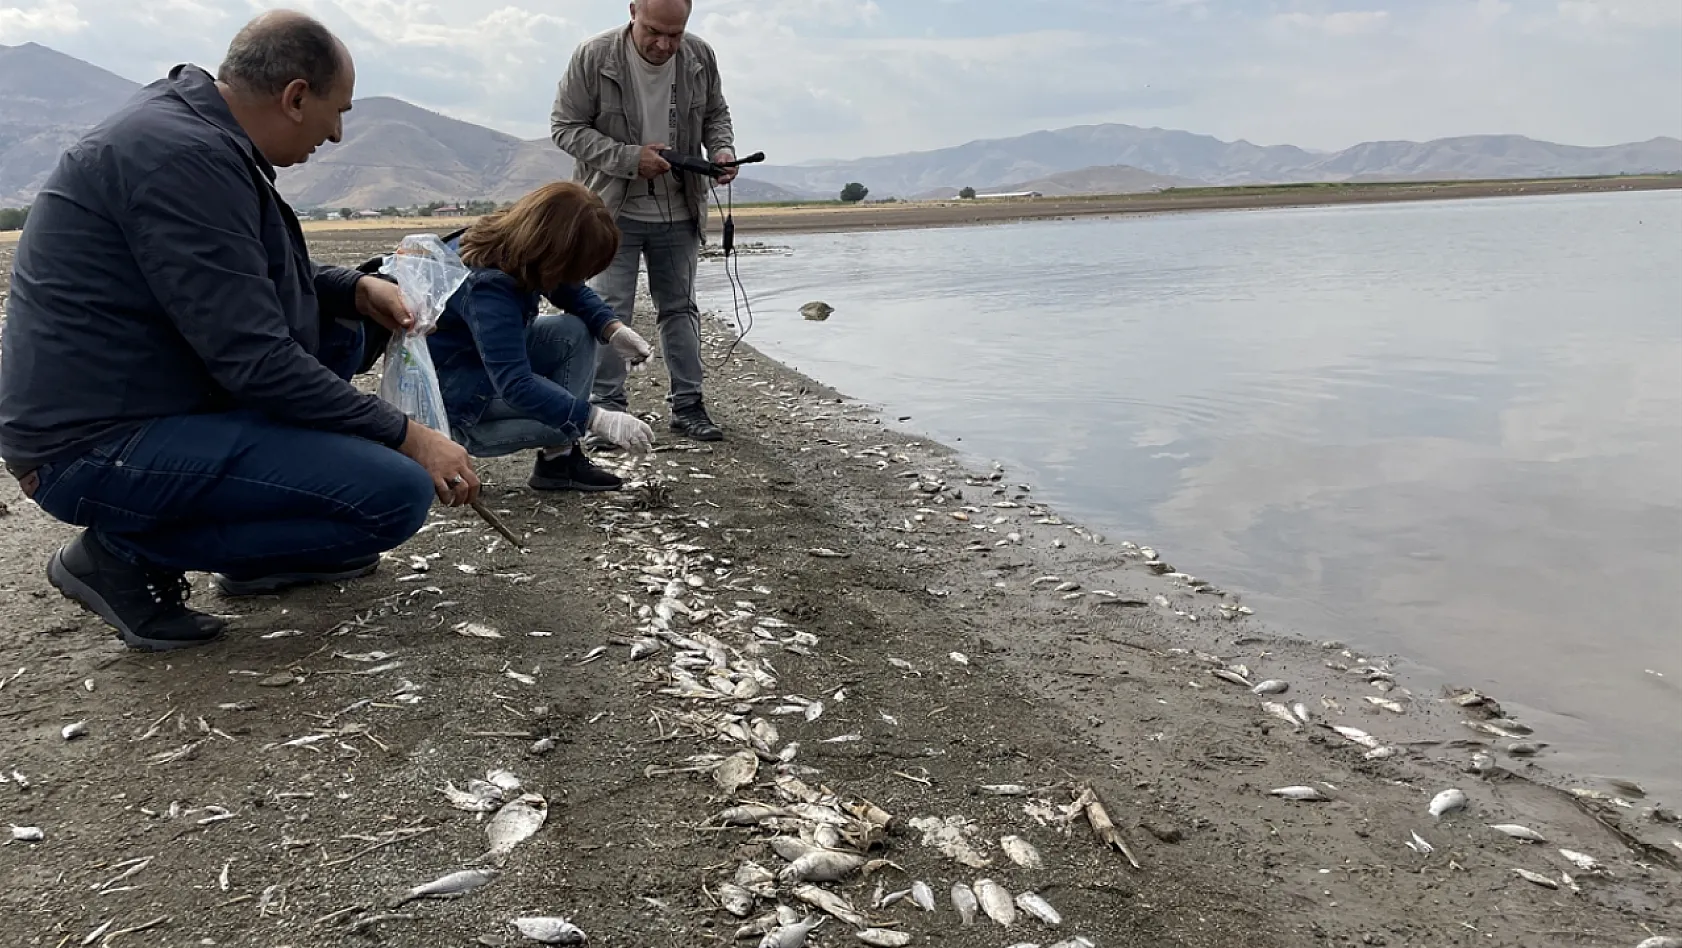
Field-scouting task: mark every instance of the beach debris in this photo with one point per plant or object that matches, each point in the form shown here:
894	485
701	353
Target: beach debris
965	903
1582	861
995	901
1272	686
1033	904
452	886
1300	794
1523	834
548	930
27	834
1021	852
517	821
1102	826
1536	878
816	311
1420	846
74	730
1446	802
922	896
948	836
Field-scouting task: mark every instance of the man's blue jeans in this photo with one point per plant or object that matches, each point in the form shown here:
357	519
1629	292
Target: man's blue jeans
672	251
237	492
561	349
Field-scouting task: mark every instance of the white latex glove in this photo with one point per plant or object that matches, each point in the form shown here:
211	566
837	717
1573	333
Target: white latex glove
631	347
622	428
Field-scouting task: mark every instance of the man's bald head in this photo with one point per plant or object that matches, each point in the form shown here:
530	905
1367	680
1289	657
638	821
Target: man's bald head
657	27
279	47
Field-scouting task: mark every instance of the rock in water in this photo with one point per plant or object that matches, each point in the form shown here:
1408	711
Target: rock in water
817	311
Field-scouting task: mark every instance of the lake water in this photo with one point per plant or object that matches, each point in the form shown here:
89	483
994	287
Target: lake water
1450	432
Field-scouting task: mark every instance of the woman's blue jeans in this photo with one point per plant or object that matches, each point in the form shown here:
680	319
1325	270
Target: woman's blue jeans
561	350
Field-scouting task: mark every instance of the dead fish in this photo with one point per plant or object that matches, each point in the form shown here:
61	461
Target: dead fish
549	930
1031	903
791	936
1521	833
515	823
1629	787
473	802
755	878
1300	794
644	647
27	834
1075	942
750	815
1447	802
1006	789
1021	852
996	902
452	886
1358	736
1382	753
883	937
75	730
1661	941
1282	713
1536	878
1392	706
1231	676
814	711
1301	711
823	865
832	903
503	780
923	896
1582	861
737	771
1419	845
1272	686
736	900
964	901
791	848
1524	749
1482	764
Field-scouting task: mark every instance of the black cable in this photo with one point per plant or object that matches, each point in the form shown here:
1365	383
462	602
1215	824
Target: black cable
733	273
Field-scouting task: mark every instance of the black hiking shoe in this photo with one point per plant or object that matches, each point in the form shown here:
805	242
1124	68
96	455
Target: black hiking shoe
147	606
236	585
692	422
571	471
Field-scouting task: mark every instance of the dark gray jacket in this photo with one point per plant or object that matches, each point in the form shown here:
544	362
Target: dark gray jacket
159	274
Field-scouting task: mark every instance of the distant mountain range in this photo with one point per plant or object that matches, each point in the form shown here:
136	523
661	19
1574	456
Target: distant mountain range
395	153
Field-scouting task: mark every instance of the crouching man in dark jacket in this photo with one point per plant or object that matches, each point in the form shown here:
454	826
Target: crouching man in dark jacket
174	369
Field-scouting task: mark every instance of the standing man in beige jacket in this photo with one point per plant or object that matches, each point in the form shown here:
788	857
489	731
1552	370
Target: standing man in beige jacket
628	94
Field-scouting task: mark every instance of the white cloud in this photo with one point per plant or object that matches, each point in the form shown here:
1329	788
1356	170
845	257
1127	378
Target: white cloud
1637	13
1341	23
42	21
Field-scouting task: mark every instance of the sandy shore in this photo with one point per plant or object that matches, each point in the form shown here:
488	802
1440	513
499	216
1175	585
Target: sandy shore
283	786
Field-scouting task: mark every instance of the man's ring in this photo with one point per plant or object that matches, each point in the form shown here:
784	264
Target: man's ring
454	480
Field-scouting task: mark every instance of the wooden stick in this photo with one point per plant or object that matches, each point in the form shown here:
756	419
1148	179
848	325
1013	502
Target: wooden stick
497	524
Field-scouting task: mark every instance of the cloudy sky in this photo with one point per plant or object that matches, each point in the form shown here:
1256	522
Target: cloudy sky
814	79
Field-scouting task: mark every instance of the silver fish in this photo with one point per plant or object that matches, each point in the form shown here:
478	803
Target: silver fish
791	848
824	865
470	801
996	902
1521	833
1661	941
1272	686
1388	705
454	885
1447	802
1031	903
756	879
549	930
1419	845
791	936
737	771
835	905
1075	942
751	815
1300	794
1358	736
883	937
1301	711
75	730
1536	878
1021	852
1005	789
515	823
963	899
736	900
1524	748
27	834
1282	713
923	896
1582	861
1231	676
1382	753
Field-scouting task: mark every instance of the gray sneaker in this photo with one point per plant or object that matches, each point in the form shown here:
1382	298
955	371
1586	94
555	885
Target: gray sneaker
236	585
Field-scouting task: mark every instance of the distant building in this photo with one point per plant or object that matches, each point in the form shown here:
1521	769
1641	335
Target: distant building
450	210
334	216
367	214
1010	194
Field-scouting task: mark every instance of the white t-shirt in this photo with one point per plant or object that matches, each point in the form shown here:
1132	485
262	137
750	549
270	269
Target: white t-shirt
656	96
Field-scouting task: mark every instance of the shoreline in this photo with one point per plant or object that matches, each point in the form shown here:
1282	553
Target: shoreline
1067	686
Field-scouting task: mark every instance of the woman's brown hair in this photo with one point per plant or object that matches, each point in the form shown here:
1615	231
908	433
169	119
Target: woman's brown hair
559	233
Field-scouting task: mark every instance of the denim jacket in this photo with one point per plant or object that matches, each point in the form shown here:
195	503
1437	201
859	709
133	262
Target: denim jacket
479	350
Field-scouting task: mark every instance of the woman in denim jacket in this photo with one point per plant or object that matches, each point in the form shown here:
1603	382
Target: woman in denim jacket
513	379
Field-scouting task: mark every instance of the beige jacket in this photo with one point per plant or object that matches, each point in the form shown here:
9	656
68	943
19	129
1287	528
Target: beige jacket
596	119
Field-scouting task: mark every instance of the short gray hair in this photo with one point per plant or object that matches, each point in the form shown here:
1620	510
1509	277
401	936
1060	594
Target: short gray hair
278	47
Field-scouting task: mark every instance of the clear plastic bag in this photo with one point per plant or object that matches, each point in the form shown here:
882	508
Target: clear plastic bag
428	274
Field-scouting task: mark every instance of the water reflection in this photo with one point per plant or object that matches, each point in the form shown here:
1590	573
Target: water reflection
1449	432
